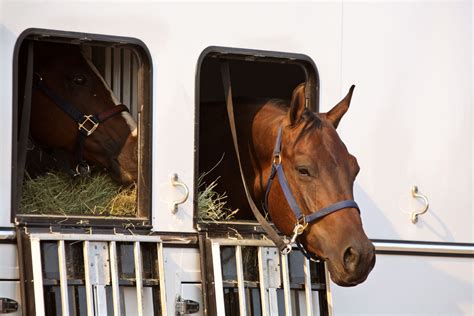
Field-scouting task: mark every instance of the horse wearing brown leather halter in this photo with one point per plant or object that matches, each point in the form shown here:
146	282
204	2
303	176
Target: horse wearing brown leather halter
279	136
73	109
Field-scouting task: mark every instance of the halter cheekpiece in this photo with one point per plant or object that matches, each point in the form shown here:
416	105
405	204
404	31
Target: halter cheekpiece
86	123
302	220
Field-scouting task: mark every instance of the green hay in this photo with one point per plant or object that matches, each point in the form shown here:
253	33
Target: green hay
97	195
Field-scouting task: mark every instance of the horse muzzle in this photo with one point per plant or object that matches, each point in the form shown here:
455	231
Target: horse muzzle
353	266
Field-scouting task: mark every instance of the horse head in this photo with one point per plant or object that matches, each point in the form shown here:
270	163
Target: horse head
71	78
319	172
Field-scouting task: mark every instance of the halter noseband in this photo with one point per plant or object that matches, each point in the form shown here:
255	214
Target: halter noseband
302	220
86	123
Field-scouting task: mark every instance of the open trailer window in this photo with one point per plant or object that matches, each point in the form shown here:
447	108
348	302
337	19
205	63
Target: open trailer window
81	129
256	76
244	272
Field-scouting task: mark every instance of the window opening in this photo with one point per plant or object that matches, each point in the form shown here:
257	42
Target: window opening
82	130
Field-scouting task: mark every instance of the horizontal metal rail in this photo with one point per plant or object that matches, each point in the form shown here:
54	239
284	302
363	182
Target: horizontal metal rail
424	248
95	237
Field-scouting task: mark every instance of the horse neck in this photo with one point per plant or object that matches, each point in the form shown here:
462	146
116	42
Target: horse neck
264	129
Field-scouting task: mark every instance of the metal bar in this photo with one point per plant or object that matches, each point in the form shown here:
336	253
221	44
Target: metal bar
95	237
421	248
240	280
263	287
63	277
218	284
37	276
115	278
108	65
285	271
138	277
87	277
328	290
134	98
244	242
307	288
126	78
161	276
117	72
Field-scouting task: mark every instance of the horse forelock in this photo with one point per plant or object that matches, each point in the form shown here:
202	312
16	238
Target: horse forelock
310	122
126	116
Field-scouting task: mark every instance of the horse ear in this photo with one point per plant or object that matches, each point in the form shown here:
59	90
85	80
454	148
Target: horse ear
338	111
298	104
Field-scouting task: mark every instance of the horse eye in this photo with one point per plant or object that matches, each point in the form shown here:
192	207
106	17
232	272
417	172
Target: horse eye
79	80
303	171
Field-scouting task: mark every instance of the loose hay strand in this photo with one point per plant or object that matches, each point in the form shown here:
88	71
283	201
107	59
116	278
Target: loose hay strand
212	204
96	195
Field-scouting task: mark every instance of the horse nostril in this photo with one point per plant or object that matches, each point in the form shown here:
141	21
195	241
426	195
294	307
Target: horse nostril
351	259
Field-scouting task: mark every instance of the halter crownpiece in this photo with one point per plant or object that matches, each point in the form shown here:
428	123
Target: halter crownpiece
302	221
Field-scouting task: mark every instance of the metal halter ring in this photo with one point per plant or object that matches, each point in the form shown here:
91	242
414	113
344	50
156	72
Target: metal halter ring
277	159
89	120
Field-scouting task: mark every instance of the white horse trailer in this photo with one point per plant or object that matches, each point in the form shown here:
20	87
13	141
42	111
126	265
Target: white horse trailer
410	124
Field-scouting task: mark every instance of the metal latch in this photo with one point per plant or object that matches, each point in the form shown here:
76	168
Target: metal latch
7	305
184	307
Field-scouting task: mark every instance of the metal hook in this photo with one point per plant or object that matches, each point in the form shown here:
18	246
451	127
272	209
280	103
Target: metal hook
415	194
176	183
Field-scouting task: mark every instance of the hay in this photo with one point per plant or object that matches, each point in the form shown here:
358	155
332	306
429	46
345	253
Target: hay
97	195
211	204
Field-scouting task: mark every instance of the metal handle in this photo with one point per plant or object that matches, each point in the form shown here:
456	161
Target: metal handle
415	194
176	183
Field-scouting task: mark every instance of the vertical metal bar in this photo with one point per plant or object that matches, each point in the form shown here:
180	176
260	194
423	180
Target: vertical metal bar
126	78
117	73
115	277
218	284
37	276
328	290
285	271
307	288
263	287
240	280
138	277
87	277
161	275
134	99
63	277
108	66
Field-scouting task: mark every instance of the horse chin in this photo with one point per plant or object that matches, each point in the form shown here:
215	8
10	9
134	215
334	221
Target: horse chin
119	174
345	279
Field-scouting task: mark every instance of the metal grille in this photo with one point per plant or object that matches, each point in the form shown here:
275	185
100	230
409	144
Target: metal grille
251	277
76	274
119	67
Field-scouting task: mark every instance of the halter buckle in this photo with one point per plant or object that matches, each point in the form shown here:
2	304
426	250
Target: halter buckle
88	125
300	226
277	159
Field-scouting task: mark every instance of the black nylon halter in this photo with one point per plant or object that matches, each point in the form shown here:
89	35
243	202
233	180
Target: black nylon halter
87	123
301	219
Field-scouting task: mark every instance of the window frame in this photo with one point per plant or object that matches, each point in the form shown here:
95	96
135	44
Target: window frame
231	53
145	124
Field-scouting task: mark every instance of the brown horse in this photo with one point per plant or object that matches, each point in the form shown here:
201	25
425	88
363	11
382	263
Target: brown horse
319	171
64	77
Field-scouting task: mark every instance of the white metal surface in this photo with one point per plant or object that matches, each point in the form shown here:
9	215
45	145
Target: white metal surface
410	285
411	117
114	275
63	278
37	276
240	280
